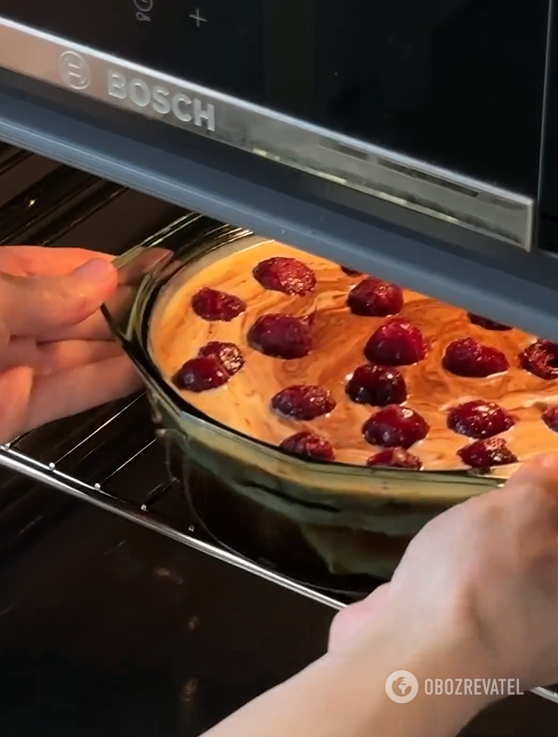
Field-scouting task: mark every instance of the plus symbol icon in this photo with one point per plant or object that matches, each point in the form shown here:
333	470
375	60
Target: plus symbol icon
198	17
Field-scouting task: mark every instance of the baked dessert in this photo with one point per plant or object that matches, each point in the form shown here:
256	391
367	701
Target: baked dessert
335	366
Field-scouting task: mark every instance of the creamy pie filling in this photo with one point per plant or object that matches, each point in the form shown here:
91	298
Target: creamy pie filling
245	401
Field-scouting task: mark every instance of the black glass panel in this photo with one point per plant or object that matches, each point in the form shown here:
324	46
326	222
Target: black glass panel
548	231
457	83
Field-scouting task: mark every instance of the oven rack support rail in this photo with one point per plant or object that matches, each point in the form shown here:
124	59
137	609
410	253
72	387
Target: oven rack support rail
93	494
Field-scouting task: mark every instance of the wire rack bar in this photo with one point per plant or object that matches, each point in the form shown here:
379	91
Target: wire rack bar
92	493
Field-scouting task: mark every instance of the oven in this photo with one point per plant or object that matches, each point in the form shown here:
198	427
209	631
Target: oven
414	145
410	142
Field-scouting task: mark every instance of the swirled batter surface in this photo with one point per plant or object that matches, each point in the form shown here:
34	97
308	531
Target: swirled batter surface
339	337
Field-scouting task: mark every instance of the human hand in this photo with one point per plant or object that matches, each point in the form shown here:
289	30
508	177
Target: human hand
57	357
485	572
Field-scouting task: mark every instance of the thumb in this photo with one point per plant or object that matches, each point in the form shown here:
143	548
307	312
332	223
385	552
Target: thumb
31	306
533	492
542	469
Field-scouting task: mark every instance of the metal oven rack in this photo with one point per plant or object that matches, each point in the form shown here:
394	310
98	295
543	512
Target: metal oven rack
148	506
108	457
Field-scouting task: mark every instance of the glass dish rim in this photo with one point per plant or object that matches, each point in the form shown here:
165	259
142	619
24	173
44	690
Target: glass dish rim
209	236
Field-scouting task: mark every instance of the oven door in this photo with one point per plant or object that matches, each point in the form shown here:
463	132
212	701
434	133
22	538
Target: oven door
422	104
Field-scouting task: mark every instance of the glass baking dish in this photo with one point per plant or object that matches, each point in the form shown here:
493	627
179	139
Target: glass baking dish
329	524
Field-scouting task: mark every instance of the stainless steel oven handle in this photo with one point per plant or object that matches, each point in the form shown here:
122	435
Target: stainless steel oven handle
49	475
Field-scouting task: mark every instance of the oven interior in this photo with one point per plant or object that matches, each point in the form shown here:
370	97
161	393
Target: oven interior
82	644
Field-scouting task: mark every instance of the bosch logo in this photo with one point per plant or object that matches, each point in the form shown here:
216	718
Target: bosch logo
75	71
160	100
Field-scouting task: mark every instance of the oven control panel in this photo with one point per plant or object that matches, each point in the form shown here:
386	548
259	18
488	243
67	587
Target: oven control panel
218	44
457	83
435	106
